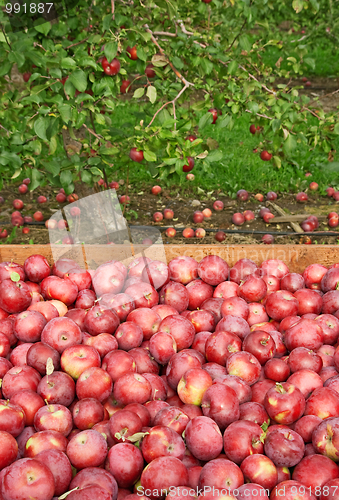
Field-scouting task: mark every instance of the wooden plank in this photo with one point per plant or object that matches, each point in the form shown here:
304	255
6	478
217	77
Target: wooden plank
294	218
282	212
297	257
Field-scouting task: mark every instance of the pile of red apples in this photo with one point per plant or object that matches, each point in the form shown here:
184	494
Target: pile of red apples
155	381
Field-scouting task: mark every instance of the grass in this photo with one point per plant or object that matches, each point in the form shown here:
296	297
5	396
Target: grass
324	53
240	167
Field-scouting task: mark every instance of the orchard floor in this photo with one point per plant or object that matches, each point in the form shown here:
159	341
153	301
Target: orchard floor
143	205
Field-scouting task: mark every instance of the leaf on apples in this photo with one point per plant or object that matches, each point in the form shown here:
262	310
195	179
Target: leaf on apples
49	366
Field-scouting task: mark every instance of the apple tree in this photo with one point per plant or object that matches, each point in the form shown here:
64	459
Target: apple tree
187	64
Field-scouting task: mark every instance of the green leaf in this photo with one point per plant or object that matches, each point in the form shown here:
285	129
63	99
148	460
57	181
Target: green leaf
5	68
170	161
53	144
43	28
159	61
172	8
315	5
86	176
106	22
81	119
152	93
69	88
215	155
253	106
79	80
15	276
53	167
178	166
16	173
310	62
232	67
150	156
139	92
245	43
16	57
40	128
55	73
65	112
83	97
141	54
108	151
96	171
110	50
289	145
207	66
336	128
99	118
178	63
298	5
275	125
36	179
53	128
206	119
67	63
66	178
277	161
88	61
8	157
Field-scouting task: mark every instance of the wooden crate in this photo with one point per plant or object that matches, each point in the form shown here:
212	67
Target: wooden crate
297	257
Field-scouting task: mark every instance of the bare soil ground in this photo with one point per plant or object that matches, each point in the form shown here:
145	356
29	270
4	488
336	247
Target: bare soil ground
143	205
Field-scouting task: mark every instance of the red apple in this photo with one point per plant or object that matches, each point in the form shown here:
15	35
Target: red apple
238	219
198	217
265	155
110	68
218	206
242	195
136	155
220	236
170	232
301	197
158	217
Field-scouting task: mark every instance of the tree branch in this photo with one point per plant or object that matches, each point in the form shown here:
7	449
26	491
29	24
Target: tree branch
162	52
112	8
78	43
258	114
164	33
4	33
93	133
170	102
3	128
39	45
183	29
237	36
254	78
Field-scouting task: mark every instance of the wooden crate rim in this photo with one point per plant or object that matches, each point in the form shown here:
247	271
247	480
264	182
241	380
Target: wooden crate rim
297	257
